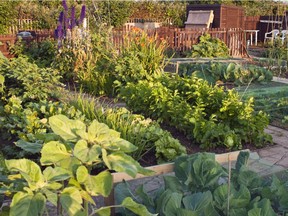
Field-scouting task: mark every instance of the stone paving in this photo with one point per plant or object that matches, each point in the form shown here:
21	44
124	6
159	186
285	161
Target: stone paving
271	159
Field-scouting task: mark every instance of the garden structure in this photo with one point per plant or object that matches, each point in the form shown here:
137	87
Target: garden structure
81	112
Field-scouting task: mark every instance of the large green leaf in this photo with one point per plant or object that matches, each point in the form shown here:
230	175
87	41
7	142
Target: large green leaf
109	139
29	147
186	212
237	199
198	201
56	174
51	196
242	160
172	183
100	184
168	203
56	153
104	211
262	208
66	128
121	162
136	208
26	204
85	153
71	201
30	171
100	132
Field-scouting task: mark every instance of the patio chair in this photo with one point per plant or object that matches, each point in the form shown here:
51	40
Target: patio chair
271	35
283	35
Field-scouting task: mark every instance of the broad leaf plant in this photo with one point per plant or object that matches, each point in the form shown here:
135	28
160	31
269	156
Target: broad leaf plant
64	177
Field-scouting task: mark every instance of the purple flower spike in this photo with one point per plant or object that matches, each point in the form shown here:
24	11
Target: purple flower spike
61	17
82	14
64	4
60	31
72	19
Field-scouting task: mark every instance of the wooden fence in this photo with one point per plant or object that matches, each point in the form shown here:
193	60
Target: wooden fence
182	39
178	39
6	41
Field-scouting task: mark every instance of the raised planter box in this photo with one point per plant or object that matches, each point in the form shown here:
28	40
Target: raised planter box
226	158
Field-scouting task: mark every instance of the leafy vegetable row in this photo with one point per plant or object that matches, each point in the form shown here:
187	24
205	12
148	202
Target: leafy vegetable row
208	114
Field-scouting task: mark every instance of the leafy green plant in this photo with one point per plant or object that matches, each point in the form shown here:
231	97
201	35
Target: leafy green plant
201	186
141	57
27	124
146	134
209	47
27	81
66	181
215	73
208	114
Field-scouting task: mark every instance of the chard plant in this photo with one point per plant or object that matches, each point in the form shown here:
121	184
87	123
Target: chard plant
65	176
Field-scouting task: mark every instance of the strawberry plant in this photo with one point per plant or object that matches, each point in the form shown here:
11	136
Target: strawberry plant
67	161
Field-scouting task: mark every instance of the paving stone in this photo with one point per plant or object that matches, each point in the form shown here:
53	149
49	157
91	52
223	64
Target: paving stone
265	162
254	156
283	162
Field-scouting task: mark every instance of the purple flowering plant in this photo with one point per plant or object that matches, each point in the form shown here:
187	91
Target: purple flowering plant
67	21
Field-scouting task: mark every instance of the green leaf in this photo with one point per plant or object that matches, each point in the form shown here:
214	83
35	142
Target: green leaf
56	174
29	170
198	201
29	147
104	211
262	208
136	208
25	204
56	153
109	139
169	202
85	153
186	212
121	162
51	196
100	131
172	183
100	184
71	201
237	199
66	128
242	160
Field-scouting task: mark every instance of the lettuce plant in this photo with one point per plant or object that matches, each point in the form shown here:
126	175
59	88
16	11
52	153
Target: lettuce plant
65	178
